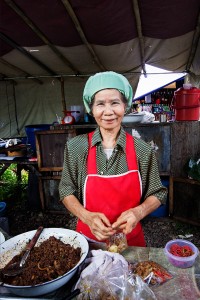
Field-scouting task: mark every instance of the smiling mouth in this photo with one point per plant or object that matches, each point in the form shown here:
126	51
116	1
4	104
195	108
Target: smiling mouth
109	121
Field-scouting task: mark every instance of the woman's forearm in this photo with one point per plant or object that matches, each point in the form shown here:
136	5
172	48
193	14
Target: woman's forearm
75	207
150	204
130	218
98	223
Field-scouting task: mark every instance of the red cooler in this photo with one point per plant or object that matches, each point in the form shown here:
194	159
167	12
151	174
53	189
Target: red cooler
187	104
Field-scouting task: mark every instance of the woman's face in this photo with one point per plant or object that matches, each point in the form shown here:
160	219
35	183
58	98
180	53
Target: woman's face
108	108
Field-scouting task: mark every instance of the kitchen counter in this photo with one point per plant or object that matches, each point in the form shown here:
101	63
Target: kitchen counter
185	284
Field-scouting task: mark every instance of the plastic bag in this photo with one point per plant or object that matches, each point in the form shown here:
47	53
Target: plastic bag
114	288
117	243
150	272
107	277
148	117
193	169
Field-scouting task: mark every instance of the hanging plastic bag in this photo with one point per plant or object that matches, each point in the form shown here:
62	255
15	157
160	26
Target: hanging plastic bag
193	169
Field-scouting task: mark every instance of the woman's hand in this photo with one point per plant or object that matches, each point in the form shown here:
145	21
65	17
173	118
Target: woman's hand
99	225
128	220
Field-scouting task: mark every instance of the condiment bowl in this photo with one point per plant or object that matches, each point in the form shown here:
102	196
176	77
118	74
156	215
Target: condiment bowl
133	118
179	261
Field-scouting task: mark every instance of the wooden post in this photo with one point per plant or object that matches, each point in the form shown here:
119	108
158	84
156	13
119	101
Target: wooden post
63	94
171	196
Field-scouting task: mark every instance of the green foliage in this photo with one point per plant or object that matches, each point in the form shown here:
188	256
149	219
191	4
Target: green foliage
10	187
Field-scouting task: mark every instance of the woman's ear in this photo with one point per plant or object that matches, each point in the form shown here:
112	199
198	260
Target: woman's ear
125	108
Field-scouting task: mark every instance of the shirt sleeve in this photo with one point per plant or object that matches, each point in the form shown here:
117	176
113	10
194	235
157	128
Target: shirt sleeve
67	184
148	166
74	167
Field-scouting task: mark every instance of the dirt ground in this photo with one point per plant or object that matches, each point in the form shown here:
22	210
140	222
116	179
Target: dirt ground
158	231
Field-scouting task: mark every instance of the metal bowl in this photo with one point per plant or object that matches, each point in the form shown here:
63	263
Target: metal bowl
15	245
133	118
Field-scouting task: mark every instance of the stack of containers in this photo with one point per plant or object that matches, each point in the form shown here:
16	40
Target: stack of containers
186	103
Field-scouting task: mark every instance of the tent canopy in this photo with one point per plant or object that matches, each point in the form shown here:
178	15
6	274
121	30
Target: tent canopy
72	39
61	37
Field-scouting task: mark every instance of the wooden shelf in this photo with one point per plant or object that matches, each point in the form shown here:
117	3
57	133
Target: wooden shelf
186	180
184	200
176	142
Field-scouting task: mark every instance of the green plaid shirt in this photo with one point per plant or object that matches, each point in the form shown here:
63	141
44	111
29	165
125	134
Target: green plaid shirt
75	161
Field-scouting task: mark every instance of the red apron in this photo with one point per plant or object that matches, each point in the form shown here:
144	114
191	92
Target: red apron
113	194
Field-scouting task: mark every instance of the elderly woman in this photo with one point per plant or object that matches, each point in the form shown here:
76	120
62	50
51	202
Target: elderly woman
110	180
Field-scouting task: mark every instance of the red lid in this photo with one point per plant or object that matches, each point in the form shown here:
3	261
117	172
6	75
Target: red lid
183	91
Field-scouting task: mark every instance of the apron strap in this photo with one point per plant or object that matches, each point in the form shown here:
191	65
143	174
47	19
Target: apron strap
130	154
91	159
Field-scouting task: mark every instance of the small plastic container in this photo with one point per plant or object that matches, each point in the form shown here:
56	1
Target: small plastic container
178	261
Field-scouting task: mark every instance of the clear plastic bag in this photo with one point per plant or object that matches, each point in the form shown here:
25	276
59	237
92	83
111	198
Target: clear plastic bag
117	243
150	272
115	287
111	280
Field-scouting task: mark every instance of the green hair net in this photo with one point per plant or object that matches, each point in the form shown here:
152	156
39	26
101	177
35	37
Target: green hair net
106	80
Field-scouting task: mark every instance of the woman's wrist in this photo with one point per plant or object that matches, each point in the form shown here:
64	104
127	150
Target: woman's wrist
84	215
138	212
148	206
141	212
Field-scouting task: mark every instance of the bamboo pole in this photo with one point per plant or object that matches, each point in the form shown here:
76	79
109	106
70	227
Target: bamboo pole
63	94
194	45
40	34
136	11
81	33
14	45
3	61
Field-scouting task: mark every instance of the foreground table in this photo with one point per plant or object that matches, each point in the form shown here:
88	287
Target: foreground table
186	282
184	286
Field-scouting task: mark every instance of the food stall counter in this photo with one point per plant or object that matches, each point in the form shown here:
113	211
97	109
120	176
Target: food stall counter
184	285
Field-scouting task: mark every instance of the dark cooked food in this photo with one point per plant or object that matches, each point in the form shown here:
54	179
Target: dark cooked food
51	259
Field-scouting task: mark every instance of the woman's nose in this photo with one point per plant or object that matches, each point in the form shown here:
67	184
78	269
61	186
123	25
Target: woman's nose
108	109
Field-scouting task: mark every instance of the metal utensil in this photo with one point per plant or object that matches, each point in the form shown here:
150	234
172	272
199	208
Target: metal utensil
17	267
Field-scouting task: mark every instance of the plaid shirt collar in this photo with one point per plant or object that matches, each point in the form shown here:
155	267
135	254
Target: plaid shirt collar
121	141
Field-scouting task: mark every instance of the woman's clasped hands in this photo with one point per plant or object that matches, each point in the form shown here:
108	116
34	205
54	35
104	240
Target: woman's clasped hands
101	227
